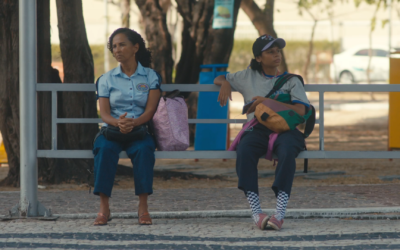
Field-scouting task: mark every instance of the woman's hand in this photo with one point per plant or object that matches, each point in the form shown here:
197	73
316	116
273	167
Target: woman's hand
224	93
125	124
258	100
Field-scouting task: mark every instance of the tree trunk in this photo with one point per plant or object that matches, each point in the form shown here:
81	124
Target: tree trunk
78	68
309	53
165	5
158	37
125	13
45	74
263	21
197	18
201	44
9	88
220	41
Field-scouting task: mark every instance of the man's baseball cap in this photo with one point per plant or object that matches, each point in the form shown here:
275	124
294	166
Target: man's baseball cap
264	42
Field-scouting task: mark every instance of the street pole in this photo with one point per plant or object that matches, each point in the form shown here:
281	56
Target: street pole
106	51
28	206
27	102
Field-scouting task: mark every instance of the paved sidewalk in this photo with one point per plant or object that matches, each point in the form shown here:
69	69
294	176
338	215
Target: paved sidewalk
175	231
169	200
222	233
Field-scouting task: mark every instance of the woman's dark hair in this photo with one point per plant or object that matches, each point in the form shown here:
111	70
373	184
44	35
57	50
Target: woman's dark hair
143	55
254	65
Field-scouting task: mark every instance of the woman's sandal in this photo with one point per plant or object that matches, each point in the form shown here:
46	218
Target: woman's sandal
144	219
102	220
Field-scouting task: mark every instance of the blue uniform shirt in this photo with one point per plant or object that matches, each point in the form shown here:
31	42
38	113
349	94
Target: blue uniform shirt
128	94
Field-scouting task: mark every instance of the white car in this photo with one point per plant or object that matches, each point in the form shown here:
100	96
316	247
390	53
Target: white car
351	65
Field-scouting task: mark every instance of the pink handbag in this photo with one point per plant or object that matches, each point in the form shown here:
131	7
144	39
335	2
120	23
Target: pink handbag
170	123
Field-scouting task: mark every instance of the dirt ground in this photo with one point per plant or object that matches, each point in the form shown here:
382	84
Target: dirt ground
352	130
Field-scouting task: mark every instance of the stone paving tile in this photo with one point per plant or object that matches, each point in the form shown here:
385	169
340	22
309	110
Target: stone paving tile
346	196
222	233
385	195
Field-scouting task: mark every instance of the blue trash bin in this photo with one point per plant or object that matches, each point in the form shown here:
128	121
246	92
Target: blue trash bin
211	136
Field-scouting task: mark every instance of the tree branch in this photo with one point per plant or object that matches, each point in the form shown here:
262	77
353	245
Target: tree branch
263	21
185	9
256	16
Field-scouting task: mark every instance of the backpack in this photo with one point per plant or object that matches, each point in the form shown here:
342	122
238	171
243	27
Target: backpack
279	118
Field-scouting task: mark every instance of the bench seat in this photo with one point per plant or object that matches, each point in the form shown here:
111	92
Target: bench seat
199	154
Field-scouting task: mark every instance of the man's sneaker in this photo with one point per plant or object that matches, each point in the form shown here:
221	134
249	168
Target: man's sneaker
262	221
275	223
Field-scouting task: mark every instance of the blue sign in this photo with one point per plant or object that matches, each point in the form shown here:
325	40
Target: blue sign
223	14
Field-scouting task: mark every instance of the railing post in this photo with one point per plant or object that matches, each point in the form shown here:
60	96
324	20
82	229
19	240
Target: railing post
321	120
28	205
54	120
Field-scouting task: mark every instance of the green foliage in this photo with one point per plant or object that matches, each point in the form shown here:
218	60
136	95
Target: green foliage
384	22
373	23
295	54
307	5
241	55
358	2
56	53
98	58
374	2
378	5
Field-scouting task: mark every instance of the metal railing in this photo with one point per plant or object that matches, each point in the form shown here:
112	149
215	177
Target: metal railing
29	205
192	154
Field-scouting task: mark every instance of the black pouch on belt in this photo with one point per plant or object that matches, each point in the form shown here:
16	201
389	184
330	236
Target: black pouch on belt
113	133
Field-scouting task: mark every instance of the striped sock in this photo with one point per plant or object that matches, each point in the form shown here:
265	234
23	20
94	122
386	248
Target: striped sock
281	203
254	202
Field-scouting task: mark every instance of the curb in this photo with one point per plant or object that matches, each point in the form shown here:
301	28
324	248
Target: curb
373	213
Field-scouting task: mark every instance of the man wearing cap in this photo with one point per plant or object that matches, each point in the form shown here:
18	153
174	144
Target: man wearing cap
254	84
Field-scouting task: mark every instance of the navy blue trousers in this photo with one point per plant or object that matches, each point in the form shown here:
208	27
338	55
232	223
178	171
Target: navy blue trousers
106	156
254	144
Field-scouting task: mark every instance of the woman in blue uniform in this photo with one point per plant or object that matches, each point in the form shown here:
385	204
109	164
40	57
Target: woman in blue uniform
128	97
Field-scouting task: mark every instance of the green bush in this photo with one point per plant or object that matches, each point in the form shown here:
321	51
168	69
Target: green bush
98	58
295	53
